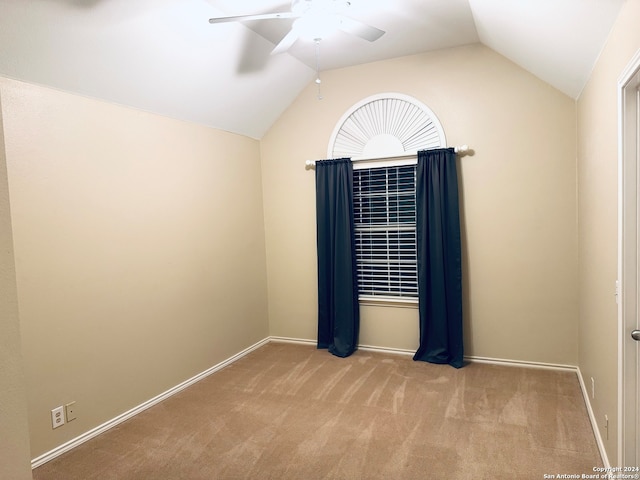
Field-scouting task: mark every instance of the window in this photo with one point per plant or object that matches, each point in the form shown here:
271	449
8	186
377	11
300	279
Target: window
379	133
385	231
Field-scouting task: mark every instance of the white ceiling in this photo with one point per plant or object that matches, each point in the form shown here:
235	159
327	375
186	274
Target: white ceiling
163	56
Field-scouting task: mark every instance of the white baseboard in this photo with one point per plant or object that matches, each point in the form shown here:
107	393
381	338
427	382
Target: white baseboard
395	351
521	363
594	422
297	341
404	351
65	447
369	348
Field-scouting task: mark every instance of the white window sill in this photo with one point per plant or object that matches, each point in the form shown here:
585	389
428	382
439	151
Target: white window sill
388	301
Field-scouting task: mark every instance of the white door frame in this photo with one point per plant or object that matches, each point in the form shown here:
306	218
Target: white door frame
628	195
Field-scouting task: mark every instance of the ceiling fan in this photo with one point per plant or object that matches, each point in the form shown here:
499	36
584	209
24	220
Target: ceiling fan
314	19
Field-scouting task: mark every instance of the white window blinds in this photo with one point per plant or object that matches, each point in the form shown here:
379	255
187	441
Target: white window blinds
385	230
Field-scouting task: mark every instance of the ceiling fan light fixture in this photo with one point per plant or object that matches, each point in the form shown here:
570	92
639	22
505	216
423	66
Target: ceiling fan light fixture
315	20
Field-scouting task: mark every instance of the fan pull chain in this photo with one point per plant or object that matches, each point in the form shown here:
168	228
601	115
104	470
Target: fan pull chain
318	81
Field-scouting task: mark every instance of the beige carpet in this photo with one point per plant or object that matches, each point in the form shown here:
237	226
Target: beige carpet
294	412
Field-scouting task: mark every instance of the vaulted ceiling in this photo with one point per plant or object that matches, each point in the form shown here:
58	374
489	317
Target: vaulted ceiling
163	56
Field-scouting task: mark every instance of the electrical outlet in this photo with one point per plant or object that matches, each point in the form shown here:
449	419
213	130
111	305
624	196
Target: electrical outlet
70	411
593	388
57	417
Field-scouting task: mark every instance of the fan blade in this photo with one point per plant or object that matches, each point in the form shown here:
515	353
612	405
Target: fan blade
246	18
360	29
286	43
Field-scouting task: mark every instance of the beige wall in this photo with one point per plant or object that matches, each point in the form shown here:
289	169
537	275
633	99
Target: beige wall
598	196
14	440
139	252
518	202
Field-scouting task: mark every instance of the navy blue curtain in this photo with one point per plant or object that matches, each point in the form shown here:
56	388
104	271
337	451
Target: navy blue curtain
338	309
439	258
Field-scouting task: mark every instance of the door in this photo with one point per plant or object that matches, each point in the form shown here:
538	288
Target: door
629	223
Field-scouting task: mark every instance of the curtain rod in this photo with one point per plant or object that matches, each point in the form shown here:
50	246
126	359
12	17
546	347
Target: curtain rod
459	149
